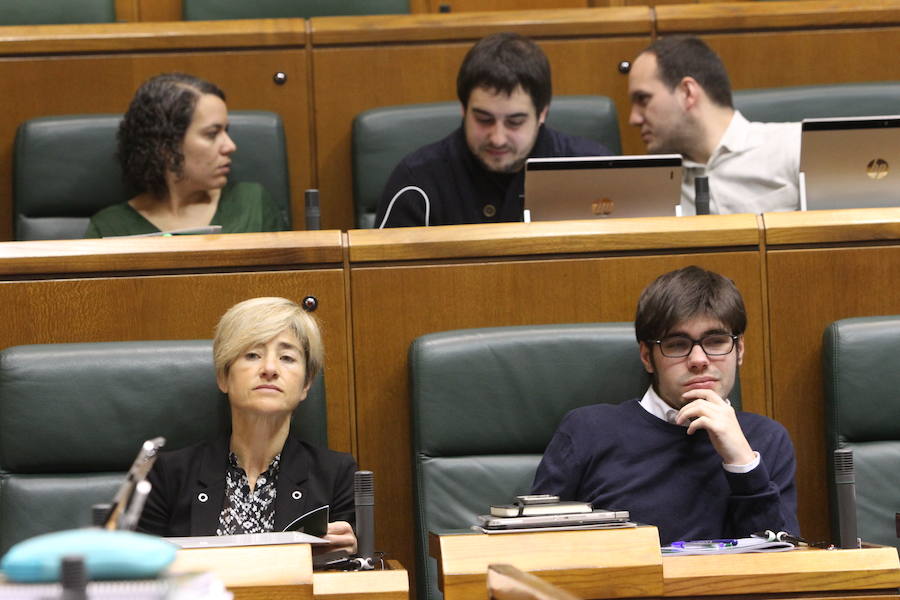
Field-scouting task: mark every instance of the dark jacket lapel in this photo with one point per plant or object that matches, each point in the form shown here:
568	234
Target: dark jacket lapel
291	498
208	495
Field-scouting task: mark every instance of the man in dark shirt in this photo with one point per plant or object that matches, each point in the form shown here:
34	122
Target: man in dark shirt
681	457
476	175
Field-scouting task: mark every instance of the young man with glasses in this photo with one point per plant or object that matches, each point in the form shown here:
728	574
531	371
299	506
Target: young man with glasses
681	457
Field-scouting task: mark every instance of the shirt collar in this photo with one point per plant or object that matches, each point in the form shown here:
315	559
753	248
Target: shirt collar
656	406
735	139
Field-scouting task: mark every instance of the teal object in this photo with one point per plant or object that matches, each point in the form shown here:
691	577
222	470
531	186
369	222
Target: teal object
107	555
56	12
203	10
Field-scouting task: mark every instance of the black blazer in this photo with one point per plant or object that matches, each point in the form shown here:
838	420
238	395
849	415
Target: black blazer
189	487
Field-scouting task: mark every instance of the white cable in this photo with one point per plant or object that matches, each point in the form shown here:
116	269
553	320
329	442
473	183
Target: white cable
387	212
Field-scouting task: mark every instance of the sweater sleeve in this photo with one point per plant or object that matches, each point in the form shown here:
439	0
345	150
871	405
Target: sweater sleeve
766	497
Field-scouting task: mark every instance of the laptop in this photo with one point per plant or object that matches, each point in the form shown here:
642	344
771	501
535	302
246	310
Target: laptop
601	187
850	163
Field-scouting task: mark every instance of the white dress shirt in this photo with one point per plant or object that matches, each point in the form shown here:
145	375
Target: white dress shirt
656	406
754	169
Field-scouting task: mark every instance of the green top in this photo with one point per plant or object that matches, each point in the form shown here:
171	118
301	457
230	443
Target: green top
243	207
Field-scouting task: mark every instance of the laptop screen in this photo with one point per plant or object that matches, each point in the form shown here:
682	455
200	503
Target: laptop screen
602	187
850	163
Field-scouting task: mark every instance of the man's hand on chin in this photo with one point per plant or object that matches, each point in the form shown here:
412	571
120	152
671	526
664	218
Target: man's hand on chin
717	417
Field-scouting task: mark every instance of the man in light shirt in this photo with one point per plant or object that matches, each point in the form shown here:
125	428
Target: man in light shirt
681	101
681	457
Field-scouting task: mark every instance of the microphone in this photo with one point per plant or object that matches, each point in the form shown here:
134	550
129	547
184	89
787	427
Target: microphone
313	213
845	485
701	195
364	497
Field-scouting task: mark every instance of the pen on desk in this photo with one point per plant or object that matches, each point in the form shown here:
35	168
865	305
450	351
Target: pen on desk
724	543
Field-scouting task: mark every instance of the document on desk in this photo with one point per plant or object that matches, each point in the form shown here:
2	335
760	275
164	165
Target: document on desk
725	546
246	539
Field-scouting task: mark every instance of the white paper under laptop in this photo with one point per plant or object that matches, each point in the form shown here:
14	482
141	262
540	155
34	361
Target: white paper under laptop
595	187
850	163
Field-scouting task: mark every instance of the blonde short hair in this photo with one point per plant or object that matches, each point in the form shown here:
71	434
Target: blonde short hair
258	320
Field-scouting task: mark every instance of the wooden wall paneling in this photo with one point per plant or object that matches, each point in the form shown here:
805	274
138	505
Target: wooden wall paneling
126	10
394	304
159	10
808	290
185	306
761	59
774	44
766	16
70	83
584	47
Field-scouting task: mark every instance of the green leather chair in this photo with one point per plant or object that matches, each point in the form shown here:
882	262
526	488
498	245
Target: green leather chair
862	410
65	169
210	10
383	136
485	403
819	101
54	12
73	417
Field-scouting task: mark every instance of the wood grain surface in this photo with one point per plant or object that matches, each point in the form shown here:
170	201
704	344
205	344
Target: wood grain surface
611	563
804	570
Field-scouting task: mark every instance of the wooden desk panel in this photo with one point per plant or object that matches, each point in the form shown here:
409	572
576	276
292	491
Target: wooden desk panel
155	299
395	303
584	48
610	563
803	573
821	266
391	583
808	290
73	83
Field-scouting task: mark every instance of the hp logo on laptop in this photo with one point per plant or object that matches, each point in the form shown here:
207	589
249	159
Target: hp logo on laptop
877	168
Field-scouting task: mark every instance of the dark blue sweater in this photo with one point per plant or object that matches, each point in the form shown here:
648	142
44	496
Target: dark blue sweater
621	456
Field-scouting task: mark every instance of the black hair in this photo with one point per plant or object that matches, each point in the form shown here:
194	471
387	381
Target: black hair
503	62
682	56
152	131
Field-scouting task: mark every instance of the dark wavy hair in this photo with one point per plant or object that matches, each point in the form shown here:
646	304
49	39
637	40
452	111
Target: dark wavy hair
502	62
152	131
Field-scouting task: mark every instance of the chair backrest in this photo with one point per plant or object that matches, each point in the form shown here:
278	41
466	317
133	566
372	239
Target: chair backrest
383	136
56	12
210	10
65	169
73	416
819	101
485	403
862	409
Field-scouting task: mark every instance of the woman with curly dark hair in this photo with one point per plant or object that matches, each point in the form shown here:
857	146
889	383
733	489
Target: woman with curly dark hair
175	152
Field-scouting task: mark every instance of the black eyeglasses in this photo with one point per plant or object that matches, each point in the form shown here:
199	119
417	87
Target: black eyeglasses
679	346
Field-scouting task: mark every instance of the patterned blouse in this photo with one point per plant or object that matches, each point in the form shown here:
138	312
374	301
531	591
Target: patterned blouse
245	511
